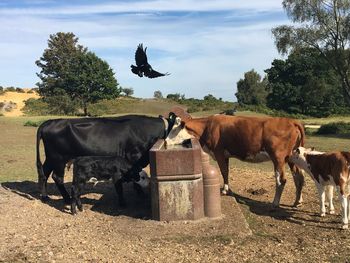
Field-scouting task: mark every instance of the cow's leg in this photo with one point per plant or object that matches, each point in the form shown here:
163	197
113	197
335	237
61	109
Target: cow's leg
57	176
47	169
322	196
344	210
298	178
223	163
329	198
344	203
280	181
76	201
348	206
74	195
119	188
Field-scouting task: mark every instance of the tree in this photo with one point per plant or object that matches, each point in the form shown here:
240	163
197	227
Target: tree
209	97
92	80
70	72
175	96
304	83
158	94
128	91
323	25
251	90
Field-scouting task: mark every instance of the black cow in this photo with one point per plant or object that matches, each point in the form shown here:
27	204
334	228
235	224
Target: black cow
100	168
129	137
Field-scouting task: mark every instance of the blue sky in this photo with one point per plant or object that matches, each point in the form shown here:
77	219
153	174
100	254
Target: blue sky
206	45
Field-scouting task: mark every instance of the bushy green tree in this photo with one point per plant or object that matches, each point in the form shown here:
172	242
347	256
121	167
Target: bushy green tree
251	90
322	25
70	71
304	83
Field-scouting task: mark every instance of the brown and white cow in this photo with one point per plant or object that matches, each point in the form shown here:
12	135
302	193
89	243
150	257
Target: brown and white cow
252	139
327	170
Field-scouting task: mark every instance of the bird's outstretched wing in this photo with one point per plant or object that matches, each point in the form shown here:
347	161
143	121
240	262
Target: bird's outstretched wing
140	56
155	74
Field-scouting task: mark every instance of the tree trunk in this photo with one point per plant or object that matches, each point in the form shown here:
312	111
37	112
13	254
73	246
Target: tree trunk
346	88
85	109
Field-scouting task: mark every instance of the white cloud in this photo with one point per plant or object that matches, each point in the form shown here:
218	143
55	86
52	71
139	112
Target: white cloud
147	6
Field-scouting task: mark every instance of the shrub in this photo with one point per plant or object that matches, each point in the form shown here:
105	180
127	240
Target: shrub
10	106
10	89
61	105
334	128
33	123
19	90
35	107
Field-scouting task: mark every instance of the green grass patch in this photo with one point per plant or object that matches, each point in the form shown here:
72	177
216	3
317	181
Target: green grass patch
17	147
33	123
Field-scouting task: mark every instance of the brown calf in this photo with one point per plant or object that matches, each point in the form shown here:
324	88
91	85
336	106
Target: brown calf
327	170
252	139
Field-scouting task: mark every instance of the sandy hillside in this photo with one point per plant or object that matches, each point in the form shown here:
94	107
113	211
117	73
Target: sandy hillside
17	98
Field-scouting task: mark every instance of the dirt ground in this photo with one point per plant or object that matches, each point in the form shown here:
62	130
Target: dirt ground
249	231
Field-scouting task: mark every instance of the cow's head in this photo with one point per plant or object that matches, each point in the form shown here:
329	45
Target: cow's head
298	157
144	180
178	133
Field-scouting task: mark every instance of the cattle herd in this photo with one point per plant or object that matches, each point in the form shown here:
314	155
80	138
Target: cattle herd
117	148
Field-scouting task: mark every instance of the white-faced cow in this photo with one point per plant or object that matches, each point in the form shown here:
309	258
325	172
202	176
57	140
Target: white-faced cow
129	137
327	170
252	139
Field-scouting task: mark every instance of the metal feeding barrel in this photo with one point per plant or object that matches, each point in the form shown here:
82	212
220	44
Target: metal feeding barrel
176	181
211	186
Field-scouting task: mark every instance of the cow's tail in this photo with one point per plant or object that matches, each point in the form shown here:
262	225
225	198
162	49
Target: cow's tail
39	165
301	138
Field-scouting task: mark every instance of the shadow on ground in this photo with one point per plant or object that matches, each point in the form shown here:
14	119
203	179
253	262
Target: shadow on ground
294	215
101	198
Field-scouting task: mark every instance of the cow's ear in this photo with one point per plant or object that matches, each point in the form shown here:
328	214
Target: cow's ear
312	148
172	116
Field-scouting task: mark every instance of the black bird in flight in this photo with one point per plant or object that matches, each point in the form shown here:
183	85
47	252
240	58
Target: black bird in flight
142	67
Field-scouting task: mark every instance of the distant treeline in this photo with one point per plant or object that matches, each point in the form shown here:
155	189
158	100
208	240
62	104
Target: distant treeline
303	84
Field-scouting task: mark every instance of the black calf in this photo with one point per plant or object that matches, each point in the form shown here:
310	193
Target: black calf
101	168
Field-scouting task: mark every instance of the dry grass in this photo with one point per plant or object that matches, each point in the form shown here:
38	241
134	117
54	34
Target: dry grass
17	98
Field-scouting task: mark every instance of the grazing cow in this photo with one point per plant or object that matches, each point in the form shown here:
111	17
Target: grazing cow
252	139
102	168
327	170
129	137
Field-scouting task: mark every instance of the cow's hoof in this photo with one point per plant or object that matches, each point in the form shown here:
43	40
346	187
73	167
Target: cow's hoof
226	192
323	214
297	204
345	226
332	212
45	198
